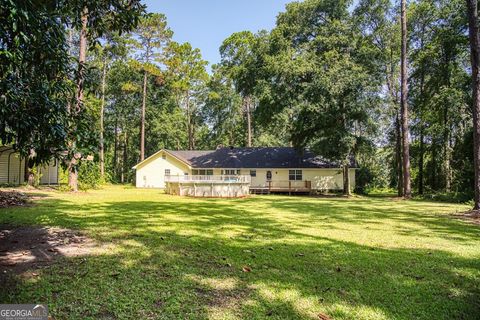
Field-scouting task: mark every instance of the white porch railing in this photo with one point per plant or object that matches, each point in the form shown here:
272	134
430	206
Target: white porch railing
210	179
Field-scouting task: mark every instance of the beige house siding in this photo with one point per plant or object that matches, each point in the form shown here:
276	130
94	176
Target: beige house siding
322	179
328	179
12	169
49	173
151	173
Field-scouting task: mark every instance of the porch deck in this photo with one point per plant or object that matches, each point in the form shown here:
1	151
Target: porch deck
215	186
290	187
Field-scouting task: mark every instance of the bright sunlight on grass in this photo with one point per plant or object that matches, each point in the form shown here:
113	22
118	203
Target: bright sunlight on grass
175	258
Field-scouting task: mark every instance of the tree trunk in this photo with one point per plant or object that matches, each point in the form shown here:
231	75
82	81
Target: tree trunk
125	155
421	160
82	58
446	153
115	150
72	177
398	155
249	120
434	165
189	122
142	124
475	60
193	134
29	176
407	192
346	180
102	111
422	129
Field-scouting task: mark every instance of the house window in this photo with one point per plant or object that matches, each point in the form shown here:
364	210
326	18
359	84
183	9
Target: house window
269	175
185	173
167	172
202	172
295	175
231	172
253	173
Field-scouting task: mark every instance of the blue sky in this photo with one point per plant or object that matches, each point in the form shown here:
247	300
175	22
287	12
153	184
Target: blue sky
206	23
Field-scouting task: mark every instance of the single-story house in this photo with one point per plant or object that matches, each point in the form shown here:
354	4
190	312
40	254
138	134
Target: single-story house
272	168
12	169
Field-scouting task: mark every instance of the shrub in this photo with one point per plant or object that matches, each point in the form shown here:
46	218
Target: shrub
89	175
453	197
363	178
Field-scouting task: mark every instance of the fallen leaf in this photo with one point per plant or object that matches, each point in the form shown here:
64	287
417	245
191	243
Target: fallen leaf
323	316
246	269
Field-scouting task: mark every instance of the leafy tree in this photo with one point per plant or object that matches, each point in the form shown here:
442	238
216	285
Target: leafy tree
186	70
377	21
150	39
223	111
407	192
474	33
121	116
238	59
93	19
34	86
113	48
321	76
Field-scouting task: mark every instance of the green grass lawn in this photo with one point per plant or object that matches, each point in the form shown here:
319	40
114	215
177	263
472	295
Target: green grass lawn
177	258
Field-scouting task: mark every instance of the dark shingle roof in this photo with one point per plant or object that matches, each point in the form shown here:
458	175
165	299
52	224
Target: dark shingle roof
267	157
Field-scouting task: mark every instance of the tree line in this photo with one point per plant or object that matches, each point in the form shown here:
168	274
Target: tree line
389	84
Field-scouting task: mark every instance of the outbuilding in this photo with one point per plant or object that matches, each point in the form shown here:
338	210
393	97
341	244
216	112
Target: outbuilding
12	169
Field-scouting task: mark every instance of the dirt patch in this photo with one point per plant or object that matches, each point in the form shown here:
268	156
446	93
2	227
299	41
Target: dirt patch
30	248
472	216
12	198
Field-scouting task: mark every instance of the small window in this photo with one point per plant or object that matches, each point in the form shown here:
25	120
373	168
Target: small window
253	173
167	172
164	156
195	172
238	172
231	172
269	175
185	173
295	175
210	172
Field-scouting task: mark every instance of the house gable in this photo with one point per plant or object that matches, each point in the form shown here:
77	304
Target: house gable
158	154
